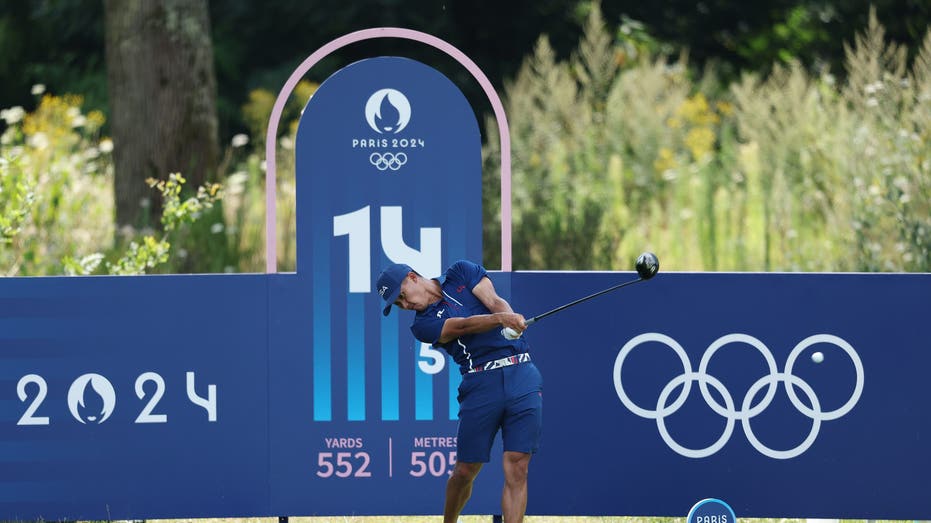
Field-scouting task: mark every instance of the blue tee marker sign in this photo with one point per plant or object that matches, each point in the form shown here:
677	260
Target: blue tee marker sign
388	169
389	160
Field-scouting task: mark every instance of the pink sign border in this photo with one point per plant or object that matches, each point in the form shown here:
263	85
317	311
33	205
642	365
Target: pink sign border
271	210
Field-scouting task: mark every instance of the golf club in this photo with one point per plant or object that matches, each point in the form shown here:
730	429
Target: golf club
647	266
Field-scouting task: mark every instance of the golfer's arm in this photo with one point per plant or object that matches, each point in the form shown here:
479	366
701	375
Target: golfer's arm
455	327
485	292
501	314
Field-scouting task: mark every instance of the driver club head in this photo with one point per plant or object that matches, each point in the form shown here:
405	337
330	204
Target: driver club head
647	265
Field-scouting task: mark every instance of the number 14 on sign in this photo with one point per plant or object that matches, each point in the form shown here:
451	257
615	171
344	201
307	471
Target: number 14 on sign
357	226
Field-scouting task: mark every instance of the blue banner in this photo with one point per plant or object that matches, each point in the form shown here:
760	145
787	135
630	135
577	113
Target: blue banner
796	395
133	397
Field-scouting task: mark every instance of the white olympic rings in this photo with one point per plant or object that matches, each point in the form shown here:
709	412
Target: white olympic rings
384	161
746	411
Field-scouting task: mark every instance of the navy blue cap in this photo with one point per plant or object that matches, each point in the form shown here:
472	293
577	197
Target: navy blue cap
389	283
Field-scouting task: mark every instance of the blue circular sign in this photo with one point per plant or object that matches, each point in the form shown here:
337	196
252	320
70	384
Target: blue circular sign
711	510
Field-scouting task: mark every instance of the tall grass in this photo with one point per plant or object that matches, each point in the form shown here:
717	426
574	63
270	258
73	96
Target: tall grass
791	172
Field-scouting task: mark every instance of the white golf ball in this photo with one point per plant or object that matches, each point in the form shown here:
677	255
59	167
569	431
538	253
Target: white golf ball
817	357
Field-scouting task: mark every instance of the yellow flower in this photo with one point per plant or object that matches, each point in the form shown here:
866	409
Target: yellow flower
304	90
700	141
697	111
95	119
665	160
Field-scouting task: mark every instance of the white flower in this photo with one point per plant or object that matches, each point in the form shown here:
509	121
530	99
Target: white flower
873	87
286	143
106	145
240	140
13	114
38	89
127	231
38	141
216	228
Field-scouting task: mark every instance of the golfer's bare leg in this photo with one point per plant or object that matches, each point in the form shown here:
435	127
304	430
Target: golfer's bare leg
514	498
459	489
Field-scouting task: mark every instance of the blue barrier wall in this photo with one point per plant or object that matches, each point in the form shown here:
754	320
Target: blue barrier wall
860	451
105	396
135	442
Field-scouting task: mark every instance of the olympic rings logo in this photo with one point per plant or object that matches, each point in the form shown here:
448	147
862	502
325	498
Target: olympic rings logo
747	411
384	161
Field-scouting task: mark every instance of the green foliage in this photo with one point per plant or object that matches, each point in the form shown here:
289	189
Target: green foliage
56	198
175	211
140	257
17	195
56	184
790	172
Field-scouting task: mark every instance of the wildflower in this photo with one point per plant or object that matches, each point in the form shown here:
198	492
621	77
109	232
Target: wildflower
12	115
725	108
665	160
38	89
697	111
700	141
106	145
240	140
38	141
95	120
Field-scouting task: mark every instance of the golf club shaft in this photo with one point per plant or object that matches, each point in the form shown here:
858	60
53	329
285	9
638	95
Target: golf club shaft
512	334
580	300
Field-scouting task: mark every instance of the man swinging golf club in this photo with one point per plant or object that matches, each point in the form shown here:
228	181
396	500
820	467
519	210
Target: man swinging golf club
501	388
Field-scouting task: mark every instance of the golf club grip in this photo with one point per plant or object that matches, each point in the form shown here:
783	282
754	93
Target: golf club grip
512	334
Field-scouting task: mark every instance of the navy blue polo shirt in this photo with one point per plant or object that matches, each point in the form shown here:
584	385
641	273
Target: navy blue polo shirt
458	301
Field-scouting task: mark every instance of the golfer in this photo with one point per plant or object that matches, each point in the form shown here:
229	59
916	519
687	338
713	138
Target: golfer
501	388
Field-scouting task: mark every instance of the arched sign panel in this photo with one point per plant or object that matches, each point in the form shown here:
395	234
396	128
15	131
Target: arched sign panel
388	168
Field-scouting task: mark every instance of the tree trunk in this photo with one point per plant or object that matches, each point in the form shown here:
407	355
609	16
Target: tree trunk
162	94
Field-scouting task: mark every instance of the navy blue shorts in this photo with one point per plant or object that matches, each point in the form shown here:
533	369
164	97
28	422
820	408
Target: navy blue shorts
509	398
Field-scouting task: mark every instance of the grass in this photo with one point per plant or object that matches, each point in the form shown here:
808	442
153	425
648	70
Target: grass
486	519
